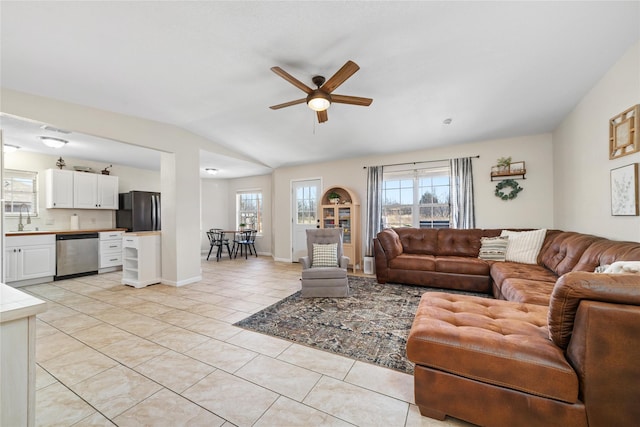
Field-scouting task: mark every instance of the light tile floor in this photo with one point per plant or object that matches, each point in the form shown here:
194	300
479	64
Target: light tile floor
109	354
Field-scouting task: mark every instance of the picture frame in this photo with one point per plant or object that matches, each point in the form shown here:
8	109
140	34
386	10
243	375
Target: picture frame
624	190
623	136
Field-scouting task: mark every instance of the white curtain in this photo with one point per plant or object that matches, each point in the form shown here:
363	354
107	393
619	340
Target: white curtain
462	206
374	207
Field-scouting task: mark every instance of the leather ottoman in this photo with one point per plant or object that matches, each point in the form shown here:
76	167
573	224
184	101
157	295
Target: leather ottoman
490	362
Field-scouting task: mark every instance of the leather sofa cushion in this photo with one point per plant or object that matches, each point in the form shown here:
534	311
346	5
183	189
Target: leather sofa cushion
565	250
526	290
497	342
418	240
413	262
456	242
500	271
462	265
605	252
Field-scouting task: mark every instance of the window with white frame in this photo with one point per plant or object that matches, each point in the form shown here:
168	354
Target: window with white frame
249	209
306	205
20	191
416	198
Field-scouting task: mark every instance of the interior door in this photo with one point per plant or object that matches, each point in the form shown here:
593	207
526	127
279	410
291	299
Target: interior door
305	196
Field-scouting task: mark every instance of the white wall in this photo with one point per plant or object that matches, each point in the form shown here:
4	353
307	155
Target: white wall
262	183
58	219
219	207
582	167
532	207
214	199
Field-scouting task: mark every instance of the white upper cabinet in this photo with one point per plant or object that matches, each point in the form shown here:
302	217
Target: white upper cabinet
59	188
85	187
107	192
81	190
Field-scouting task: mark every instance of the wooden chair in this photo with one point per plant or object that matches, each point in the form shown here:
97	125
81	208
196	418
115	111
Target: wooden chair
217	240
246	242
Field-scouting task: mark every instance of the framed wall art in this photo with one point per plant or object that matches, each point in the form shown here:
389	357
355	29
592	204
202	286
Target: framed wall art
624	190
623	133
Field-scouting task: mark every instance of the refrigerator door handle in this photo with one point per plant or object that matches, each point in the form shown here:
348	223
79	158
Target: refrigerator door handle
154	212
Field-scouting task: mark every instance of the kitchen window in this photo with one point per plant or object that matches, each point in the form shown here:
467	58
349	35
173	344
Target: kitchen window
249	209
20	192
416	198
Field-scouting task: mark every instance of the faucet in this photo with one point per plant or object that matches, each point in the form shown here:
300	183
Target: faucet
20	225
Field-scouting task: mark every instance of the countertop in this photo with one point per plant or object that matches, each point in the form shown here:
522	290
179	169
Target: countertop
35	233
15	304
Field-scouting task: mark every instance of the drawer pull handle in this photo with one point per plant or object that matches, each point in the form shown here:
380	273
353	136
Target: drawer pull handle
113	259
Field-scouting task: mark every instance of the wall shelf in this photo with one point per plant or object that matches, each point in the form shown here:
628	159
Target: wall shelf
515	170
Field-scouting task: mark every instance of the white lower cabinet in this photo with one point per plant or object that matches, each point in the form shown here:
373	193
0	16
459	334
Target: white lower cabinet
141	259
110	251
29	259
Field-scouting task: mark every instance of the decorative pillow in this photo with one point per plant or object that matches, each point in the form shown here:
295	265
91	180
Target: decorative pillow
494	248
524	246
325	255
623	267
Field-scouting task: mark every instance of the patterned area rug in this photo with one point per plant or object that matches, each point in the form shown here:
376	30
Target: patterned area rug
371	325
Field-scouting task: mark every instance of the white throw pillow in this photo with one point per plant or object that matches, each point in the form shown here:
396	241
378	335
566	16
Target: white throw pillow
622	267
325	255
524	246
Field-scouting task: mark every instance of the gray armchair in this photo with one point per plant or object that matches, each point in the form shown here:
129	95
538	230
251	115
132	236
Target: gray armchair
329	281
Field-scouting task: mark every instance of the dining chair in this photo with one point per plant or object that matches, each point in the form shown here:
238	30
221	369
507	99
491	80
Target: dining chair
217	240
246	242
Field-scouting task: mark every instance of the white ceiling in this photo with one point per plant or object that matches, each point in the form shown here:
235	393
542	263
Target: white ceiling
498	69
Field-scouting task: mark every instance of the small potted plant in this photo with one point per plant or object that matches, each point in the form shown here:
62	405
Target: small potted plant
333	197
504	163
242	226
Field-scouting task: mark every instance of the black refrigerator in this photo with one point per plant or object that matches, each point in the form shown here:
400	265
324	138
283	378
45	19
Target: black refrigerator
138	211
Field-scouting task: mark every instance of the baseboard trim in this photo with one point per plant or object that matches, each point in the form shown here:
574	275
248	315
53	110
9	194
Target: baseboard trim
181	282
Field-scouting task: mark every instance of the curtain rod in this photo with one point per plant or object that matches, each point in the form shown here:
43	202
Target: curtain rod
425	161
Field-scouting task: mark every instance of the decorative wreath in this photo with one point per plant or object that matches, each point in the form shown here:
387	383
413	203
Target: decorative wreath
515	189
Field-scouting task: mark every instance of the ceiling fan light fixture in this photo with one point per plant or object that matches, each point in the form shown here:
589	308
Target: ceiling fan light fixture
8	148
211	171
52	142
318	101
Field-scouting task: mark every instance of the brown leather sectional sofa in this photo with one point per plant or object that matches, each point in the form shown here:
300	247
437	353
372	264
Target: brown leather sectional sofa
559	344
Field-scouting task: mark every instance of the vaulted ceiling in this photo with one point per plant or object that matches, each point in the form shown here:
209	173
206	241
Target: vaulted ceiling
496	69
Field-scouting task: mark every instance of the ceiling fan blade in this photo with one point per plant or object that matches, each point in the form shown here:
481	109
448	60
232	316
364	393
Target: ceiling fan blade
322	116
288	104
288	77
340	76
353	100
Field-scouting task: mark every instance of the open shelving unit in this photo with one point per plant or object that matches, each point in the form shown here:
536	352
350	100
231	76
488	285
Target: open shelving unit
141	259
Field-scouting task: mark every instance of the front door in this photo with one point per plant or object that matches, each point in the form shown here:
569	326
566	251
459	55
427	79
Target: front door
305	196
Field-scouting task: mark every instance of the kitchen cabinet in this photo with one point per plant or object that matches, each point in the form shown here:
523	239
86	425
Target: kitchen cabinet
80	190
93	191
59	188
141	259
18	312
29	259
346	215
110	251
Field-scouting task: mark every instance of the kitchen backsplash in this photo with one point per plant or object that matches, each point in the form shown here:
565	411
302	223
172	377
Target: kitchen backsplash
60	219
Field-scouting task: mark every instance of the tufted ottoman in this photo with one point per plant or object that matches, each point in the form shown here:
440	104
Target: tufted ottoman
490	362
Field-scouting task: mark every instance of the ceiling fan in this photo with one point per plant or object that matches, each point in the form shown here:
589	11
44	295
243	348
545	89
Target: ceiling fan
321	98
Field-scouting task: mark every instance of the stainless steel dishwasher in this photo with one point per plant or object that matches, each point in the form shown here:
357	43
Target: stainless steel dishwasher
76	255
